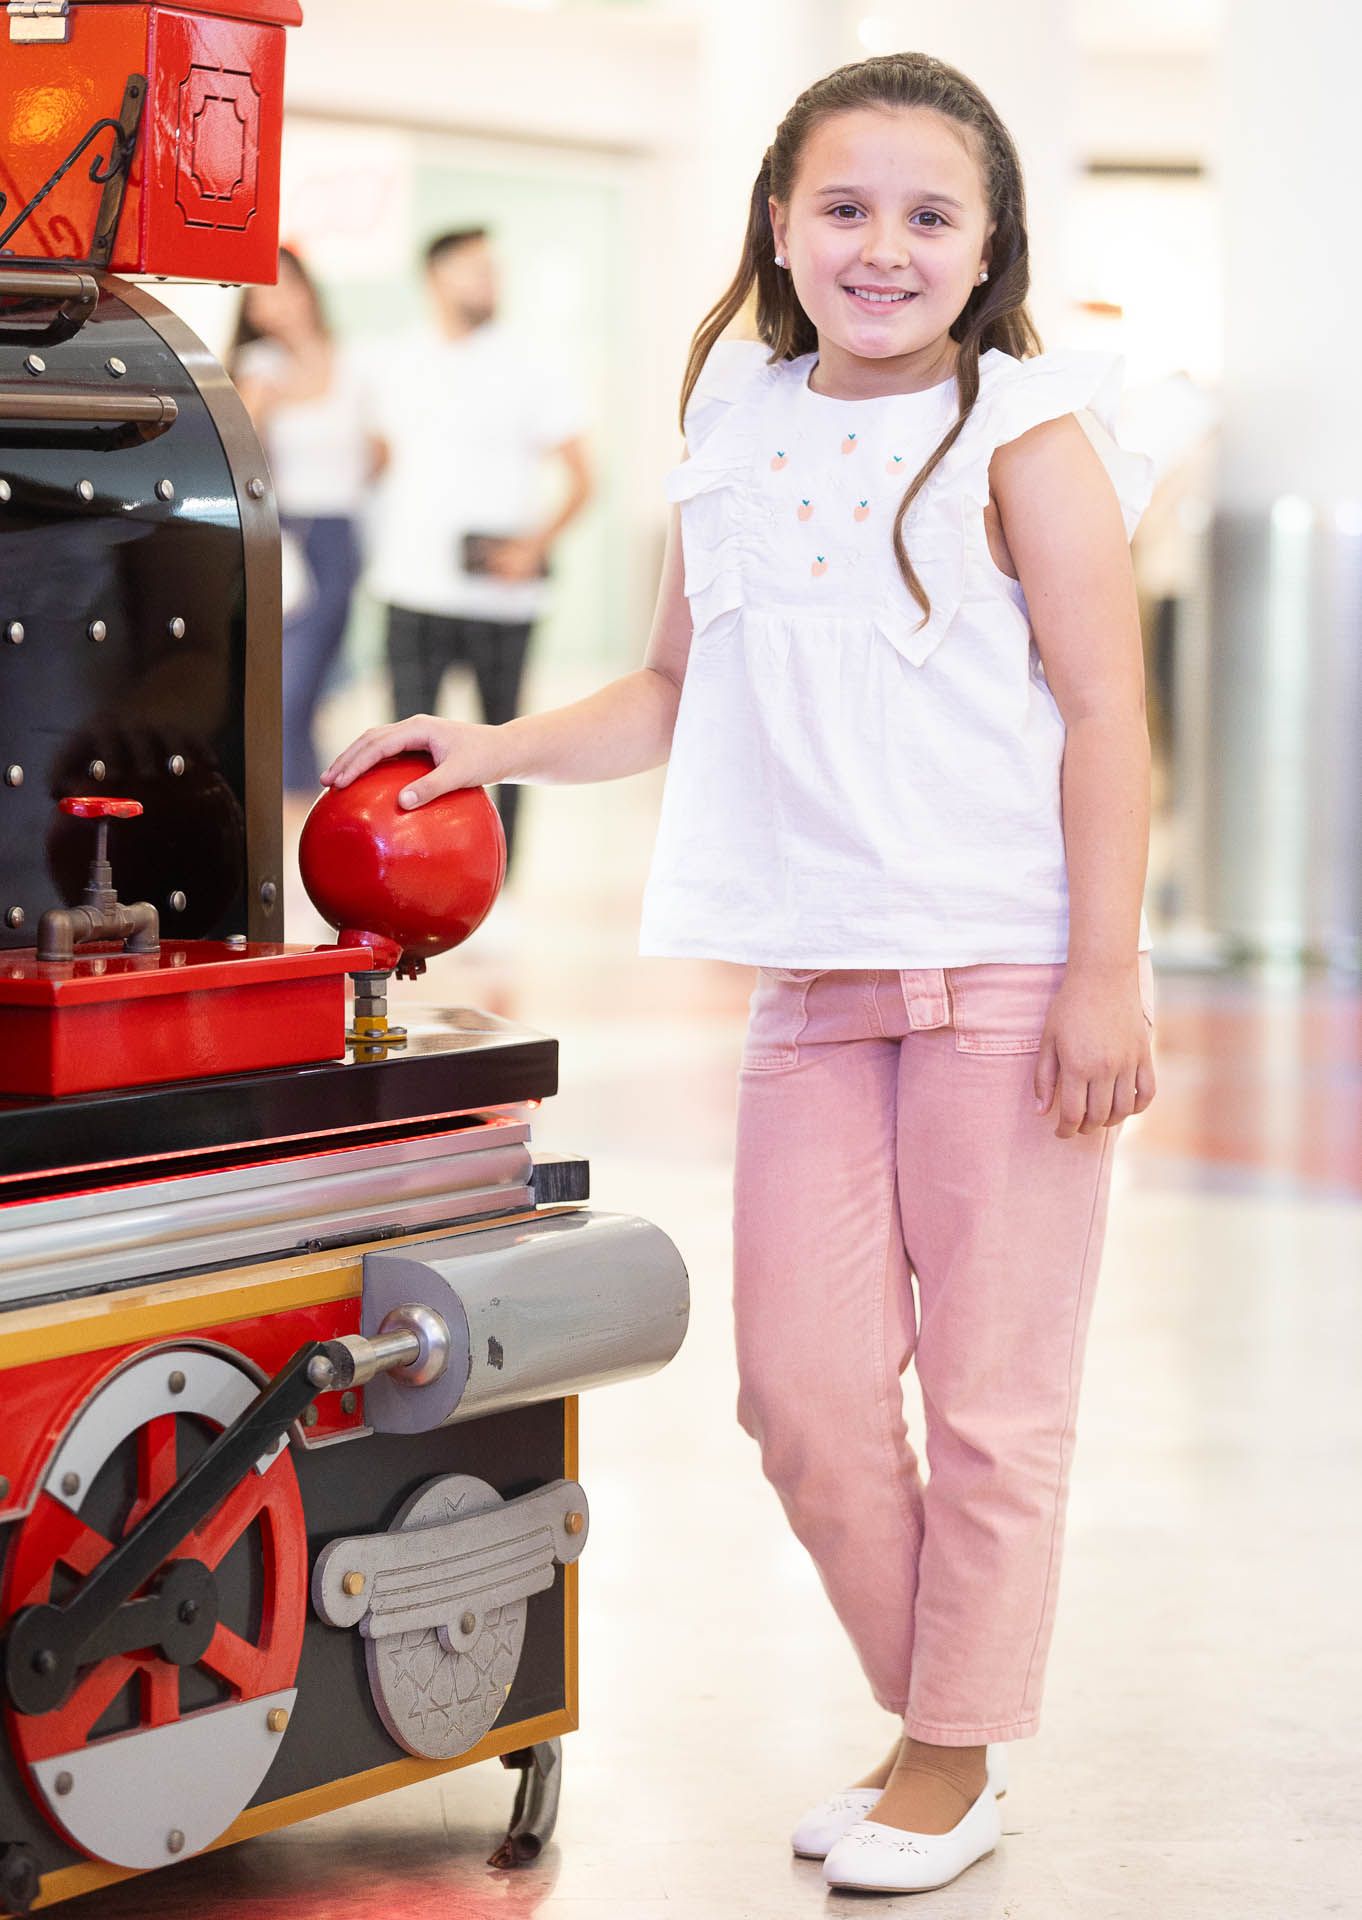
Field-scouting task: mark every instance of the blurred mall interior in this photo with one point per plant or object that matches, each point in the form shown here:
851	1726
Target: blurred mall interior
1191	175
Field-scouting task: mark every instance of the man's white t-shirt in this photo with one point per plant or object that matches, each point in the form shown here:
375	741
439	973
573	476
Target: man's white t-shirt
467	423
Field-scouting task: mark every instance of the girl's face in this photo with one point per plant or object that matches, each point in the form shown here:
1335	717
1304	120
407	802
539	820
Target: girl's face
886	231
283	311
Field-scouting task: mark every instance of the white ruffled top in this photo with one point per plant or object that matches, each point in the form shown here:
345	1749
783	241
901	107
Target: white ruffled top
851	785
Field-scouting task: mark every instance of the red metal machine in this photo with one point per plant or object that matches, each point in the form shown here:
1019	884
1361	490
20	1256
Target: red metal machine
293	1316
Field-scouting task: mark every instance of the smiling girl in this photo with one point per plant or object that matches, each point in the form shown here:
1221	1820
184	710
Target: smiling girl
896	668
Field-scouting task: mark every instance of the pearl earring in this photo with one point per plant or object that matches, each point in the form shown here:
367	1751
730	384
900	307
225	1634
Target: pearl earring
781	260
983	276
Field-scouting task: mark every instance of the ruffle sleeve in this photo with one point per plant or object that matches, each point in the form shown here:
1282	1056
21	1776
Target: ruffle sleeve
719	437
1046	388
945	531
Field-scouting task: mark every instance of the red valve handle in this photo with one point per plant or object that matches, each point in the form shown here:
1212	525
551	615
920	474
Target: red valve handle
98	806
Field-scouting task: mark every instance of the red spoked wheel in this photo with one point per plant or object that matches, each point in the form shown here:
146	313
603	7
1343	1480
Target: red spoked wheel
193	1741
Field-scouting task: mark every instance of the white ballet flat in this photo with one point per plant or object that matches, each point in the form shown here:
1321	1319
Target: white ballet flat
824	1825
874	1858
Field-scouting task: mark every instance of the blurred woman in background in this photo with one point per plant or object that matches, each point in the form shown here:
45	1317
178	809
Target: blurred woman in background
304	398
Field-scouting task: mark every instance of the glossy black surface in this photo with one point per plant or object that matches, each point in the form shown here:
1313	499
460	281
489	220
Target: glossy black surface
458	1061
141	700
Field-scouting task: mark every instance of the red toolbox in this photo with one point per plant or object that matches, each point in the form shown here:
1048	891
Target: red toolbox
197	1008
144	138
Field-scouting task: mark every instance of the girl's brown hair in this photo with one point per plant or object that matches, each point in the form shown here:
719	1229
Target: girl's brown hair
246	329
994	315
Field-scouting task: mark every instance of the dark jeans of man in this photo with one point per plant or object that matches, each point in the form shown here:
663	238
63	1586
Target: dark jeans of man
423	646
312	637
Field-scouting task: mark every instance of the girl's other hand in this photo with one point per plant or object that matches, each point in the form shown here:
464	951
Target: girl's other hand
1095	1056
464	756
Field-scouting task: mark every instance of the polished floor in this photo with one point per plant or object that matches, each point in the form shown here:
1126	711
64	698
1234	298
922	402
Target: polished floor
1200	1754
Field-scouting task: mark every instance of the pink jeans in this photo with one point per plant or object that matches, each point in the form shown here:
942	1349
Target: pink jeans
887	1130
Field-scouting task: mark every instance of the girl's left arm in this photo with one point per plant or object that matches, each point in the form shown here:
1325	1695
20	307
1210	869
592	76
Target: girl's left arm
1065	537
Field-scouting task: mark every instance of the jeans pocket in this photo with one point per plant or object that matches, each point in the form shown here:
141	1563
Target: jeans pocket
1001	1007
777	1017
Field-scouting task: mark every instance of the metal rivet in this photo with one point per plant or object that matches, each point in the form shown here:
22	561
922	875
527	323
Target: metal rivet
349	1402
14	633
14	918
179	957
4	1486
165	489
6	492
574	1522
178	903
44	1661
176	1382
269	893
99	964
176	628
97	631
175	764
35	364
277	1719
174	1841
85	489
14	776
70	1483
97	769
256	489
467	1623
116	367
237	941
310	1416
353	1584
63	1783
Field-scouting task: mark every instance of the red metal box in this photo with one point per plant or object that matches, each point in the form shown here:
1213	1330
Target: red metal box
186	100
196	1009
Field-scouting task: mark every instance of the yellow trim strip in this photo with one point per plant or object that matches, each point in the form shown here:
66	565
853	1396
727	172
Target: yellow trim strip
83	1323
67	1882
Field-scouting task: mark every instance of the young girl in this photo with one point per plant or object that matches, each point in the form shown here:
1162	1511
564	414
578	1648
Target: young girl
896	666
308	408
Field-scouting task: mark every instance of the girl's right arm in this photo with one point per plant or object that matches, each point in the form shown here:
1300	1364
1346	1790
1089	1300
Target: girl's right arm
625	728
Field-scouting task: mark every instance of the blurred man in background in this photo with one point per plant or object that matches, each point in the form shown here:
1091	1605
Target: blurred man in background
460	541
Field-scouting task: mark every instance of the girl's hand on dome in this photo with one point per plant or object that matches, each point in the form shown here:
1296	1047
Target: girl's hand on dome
464	754
1095	1063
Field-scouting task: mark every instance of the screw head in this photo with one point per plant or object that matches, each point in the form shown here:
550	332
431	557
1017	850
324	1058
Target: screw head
70	1483
174	1841
35	364
256	489
176	1382
175	764
468	1623
97	631
176	628
44	1661
14	633
277	1719
165	489
237	941
63	1783
14	776
189	1612
115	367
14	918
310	1415
573	1522
353	1584
178	902
269	893
349	1401
97	769
85	490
